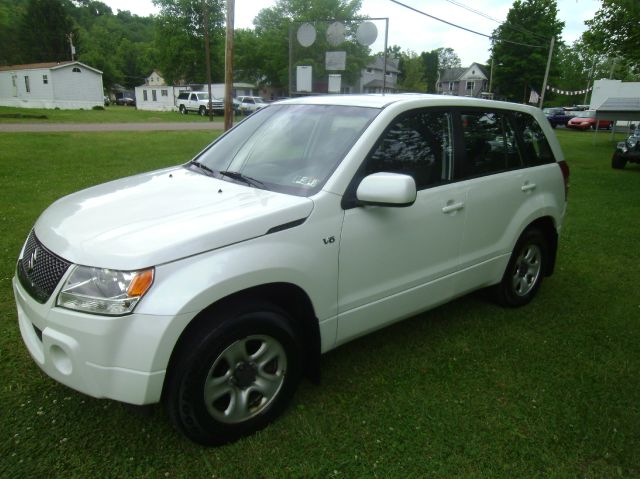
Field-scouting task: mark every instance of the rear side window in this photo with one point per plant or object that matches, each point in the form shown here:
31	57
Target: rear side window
536	148
183	96
419	144
490	144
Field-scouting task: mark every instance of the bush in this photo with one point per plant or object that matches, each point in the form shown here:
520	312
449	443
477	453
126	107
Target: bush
98	107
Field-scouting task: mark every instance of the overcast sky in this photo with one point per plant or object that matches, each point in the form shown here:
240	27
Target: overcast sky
412	31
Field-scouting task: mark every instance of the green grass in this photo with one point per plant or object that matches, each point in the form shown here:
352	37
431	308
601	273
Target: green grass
111	114
468	390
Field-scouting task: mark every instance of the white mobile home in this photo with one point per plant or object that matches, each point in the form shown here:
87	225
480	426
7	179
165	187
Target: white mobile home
64	85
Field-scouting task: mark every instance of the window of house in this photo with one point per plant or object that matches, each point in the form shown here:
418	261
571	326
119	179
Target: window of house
144	95
164	93
27	85
470	86
450	86
14	84
490	144
369	70
76	70
154	95
45	79
417	143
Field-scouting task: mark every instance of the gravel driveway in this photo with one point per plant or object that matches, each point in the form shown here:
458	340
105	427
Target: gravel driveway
52	127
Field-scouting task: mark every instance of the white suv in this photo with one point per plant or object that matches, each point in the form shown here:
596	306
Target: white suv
214	285
198	101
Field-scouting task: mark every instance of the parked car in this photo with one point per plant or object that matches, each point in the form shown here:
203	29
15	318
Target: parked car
198	101
557	116
214	285
628	150
249	104
125	101
587	119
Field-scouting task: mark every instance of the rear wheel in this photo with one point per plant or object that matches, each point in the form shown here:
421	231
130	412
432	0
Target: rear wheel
522	278
234	378
183	110
203	111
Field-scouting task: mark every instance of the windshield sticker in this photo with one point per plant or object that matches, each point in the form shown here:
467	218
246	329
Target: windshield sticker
306	181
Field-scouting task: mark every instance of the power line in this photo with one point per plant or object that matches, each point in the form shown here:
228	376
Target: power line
463	28
488	17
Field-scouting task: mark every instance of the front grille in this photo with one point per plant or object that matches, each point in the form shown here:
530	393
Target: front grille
39	270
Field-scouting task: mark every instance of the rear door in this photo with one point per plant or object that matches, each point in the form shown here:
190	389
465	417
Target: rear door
505	166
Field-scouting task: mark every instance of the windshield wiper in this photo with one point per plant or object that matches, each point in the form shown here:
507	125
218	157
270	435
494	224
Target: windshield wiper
236	175
209	171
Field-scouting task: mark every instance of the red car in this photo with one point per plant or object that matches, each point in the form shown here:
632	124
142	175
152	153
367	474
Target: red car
587	119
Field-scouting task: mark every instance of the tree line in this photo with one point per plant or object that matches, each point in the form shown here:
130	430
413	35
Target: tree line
128	47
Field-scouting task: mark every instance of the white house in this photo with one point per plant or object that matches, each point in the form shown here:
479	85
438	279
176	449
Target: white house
605	89
65	85
155	94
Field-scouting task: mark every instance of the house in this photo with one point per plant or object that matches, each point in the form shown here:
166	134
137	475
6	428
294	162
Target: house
156	95
470	81
373	78
65	85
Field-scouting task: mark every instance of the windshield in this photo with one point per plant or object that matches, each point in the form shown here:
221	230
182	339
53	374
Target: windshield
288	148
586	114
203	96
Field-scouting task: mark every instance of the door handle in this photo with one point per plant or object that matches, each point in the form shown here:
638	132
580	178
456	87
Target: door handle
528	187
451	207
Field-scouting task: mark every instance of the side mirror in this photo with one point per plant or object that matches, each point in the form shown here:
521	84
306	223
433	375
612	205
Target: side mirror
387	189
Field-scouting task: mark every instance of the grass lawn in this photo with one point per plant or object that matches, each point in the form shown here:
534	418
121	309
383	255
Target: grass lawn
111	114
469	390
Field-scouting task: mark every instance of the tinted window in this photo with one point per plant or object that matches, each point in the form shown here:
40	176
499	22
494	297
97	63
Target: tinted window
490	144
536	148
417	144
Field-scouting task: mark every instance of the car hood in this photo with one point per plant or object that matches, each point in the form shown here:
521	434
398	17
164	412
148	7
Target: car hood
159	217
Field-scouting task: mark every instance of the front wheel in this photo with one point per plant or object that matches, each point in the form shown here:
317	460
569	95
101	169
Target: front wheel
234	378
617	161
522	278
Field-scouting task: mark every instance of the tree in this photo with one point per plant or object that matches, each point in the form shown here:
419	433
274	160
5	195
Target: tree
430	66
43	32
412	72
615	30
180	39
447	58
519	54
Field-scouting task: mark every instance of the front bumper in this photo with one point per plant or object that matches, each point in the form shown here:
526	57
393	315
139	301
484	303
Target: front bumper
104	357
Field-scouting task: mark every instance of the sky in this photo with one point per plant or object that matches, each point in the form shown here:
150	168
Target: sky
412	31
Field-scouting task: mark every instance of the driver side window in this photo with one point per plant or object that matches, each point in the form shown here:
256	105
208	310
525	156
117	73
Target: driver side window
417	143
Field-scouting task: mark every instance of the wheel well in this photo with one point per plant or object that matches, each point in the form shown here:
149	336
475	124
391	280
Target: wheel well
288	297
548	229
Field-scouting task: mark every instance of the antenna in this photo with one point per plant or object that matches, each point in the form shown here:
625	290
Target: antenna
73	49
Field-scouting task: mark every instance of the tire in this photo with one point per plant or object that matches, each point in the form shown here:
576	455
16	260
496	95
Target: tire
205	391
183	110
554	125
524	273
617	161
202	111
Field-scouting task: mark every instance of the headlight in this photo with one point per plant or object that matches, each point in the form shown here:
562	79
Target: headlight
104	291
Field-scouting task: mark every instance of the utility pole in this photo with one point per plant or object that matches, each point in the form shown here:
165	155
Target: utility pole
205	19
586	93
228	68
546	73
